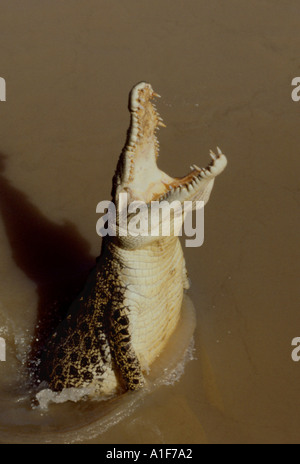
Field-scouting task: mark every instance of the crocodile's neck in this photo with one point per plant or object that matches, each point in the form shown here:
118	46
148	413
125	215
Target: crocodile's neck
155	277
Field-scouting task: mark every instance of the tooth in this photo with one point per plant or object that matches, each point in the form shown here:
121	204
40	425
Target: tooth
196	167
219	151
213	155
156	95
161	124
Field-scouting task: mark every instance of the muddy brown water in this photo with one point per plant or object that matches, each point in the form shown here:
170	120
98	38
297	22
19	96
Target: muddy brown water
224	70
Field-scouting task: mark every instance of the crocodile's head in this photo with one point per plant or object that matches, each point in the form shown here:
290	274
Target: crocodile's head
137	172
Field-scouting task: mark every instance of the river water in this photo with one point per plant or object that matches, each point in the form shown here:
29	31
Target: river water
224	70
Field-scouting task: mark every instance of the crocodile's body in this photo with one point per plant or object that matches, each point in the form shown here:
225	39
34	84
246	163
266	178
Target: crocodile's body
131	303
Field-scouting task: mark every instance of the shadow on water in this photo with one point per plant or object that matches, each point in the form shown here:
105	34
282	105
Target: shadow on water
56	257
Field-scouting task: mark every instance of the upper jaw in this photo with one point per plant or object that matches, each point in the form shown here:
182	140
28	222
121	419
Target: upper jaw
137	172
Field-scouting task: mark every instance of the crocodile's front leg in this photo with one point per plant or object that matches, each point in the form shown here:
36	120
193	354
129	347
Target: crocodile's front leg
124	355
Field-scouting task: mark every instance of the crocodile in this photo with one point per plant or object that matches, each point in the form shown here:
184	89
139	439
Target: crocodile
131	303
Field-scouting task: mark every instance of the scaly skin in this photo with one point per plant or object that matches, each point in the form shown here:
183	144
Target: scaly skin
131	303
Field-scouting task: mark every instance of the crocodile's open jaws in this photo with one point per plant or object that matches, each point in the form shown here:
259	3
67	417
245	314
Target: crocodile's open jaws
130	306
